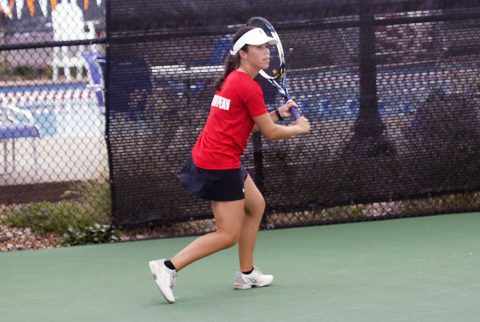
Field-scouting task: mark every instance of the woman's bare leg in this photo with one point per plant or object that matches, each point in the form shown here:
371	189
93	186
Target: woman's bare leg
228	218
254	209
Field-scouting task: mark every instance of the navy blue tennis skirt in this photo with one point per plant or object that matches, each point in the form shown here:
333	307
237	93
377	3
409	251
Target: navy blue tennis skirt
219	185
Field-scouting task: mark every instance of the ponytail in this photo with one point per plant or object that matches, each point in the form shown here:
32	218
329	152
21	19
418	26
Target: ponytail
232	62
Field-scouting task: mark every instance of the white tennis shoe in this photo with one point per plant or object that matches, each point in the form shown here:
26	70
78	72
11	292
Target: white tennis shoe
164	277
254	279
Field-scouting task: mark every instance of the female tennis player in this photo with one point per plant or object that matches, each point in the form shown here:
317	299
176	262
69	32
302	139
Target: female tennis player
213	171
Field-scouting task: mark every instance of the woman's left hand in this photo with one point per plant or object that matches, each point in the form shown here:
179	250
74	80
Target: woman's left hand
284	110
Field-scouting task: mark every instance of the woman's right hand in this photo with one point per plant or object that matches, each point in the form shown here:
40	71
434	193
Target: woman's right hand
303	124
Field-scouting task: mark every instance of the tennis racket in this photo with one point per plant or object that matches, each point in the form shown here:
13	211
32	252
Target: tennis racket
276	73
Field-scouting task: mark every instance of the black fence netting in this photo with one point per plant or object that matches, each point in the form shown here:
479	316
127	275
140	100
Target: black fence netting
391	89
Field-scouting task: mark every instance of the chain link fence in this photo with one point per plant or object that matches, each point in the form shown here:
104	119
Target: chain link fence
390	87
52	118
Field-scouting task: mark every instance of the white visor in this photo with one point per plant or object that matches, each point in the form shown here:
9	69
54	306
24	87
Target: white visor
253	37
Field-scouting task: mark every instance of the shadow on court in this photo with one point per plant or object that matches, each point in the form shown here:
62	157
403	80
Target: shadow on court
415	269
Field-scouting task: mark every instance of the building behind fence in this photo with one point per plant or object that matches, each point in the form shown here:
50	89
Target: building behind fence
391	89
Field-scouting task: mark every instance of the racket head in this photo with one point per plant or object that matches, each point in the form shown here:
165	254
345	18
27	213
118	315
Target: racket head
276	69
275	73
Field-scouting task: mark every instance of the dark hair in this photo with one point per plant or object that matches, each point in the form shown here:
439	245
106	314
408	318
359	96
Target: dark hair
232	61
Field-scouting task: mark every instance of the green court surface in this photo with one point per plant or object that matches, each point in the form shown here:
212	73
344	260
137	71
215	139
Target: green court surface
415	269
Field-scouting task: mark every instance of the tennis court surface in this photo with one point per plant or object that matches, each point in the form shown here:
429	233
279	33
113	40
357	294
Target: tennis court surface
414	269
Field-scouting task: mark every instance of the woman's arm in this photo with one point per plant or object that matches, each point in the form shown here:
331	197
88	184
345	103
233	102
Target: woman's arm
272	131
273	115
266	123
280	113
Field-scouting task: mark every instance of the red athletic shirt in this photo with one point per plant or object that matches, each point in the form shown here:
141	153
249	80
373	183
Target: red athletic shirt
229	124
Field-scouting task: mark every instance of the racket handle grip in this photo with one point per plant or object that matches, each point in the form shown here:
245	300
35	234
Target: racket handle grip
295	113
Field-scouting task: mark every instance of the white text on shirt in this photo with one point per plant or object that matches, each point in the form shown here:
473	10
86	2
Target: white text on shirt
221	102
